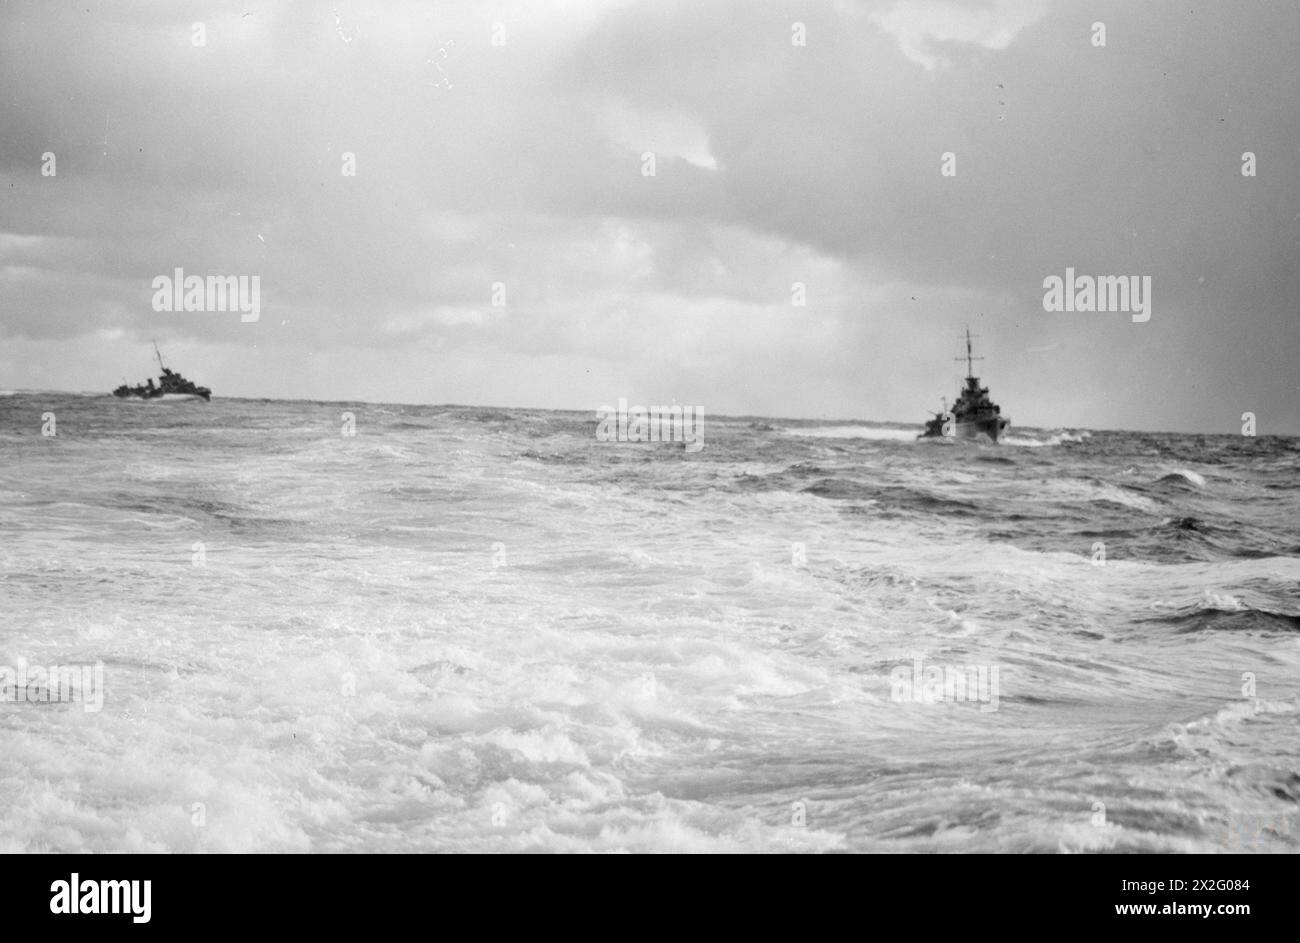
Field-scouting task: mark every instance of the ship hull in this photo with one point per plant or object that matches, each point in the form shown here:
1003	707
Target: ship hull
164	397
970	430
992	429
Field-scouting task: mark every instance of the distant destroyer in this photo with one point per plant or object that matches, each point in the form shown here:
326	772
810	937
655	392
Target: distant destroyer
973	415
171	386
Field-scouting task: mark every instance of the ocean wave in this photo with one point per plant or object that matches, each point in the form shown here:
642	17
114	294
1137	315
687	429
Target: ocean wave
896	497
461	637
1226	612
554	458
1182	478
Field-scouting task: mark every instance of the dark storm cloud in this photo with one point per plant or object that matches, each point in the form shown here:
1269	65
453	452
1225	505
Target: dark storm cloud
520	164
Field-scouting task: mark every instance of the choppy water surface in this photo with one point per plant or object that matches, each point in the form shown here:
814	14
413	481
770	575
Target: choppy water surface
478	629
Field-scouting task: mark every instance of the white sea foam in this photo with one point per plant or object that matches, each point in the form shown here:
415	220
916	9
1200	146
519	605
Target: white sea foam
877	433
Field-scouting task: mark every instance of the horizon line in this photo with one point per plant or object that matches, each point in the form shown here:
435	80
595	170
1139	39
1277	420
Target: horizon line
733	416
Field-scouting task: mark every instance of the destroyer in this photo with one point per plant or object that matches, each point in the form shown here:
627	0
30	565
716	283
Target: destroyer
973	415
171	386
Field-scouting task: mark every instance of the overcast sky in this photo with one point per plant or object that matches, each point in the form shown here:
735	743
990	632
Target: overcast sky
519	162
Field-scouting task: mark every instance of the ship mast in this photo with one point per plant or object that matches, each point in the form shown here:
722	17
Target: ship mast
157	353
970	369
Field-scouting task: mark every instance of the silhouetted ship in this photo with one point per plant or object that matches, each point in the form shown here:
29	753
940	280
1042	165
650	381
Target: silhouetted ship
171	385
973	415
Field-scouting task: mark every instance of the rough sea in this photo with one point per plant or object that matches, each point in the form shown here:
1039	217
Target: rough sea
475	629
